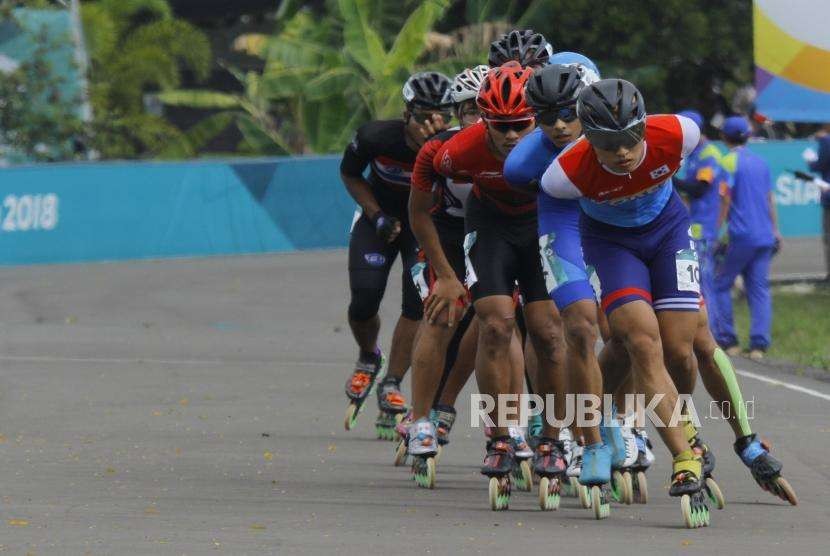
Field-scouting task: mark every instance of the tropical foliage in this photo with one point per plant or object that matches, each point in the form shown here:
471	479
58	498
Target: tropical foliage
138	47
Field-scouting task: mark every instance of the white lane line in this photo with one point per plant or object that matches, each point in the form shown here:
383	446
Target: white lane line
776	382
195	362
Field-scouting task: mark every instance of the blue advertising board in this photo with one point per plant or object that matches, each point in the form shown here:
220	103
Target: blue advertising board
116	211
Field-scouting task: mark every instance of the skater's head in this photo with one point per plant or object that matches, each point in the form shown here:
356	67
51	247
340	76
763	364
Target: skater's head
501	101
552	93
428	103
613	117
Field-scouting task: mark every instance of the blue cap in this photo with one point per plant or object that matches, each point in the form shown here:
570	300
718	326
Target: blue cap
693	115
736	127
570	58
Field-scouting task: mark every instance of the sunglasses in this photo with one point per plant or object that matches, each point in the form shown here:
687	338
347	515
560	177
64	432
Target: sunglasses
506	127
424	117
612	140
550	117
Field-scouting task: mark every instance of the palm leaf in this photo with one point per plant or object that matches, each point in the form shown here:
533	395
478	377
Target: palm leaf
199	99
411	39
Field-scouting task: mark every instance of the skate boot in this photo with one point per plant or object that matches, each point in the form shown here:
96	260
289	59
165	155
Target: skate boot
391	408
443	416
360	385
622	451
596	476
765	469
534	430
522	474
700	448
498	465
423	447
645	457
572	473
549	464
402	431
687	470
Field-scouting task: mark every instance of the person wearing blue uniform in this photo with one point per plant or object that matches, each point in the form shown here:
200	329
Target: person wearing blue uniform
750	240
702	183
552	92
821	164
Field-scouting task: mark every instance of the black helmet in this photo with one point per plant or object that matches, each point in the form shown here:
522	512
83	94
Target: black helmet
613	114
556	86
428	89
527	47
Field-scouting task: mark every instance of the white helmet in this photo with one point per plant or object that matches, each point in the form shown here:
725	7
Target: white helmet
466	84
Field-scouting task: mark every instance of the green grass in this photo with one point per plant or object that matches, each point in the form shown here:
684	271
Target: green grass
800	327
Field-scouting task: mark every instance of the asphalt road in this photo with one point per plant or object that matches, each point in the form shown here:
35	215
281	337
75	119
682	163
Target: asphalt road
196	407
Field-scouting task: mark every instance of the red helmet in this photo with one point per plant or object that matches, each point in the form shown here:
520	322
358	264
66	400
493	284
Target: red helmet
502	95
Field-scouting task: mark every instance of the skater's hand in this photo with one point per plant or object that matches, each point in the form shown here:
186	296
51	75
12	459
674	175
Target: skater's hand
444	296
778	243
433	125
388	228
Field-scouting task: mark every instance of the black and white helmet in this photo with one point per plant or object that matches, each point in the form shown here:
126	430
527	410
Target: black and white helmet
526	46
466	84
428	89
612	113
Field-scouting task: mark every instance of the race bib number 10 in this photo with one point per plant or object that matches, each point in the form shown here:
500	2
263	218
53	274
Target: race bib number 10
688	271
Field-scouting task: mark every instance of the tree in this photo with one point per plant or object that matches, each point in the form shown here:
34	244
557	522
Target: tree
138	47
322	76
38	120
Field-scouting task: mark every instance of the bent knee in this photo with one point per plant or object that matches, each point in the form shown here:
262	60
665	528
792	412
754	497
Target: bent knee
581	334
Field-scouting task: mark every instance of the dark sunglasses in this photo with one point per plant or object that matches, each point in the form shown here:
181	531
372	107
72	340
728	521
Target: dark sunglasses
550	117
506	127
424	117
611	140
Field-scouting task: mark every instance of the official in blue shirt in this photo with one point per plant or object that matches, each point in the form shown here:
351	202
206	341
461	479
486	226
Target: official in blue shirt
750	239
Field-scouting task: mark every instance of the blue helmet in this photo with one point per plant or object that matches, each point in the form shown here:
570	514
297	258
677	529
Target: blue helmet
575	58
736	128
693	115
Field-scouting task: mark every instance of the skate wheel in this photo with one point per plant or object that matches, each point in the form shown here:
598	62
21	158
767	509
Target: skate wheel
694	515
599	503
401	453
438	451
549	496
423	470
785	491
715	494
686	510
524	479
641	488
584	495
351	417
573	486
499	490
621	488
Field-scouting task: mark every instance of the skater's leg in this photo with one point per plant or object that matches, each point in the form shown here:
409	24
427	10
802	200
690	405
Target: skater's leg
544	326
496	323
719	378
583	372
637	325
428	362
463	366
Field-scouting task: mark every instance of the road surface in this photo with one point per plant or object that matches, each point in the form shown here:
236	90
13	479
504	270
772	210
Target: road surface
196	407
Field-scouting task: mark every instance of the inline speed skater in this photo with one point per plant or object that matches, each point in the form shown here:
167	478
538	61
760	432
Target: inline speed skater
501	248
379	233
436	209
635	232
552	93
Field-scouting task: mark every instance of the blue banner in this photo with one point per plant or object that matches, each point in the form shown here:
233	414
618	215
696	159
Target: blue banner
799	212
100	212
115	211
